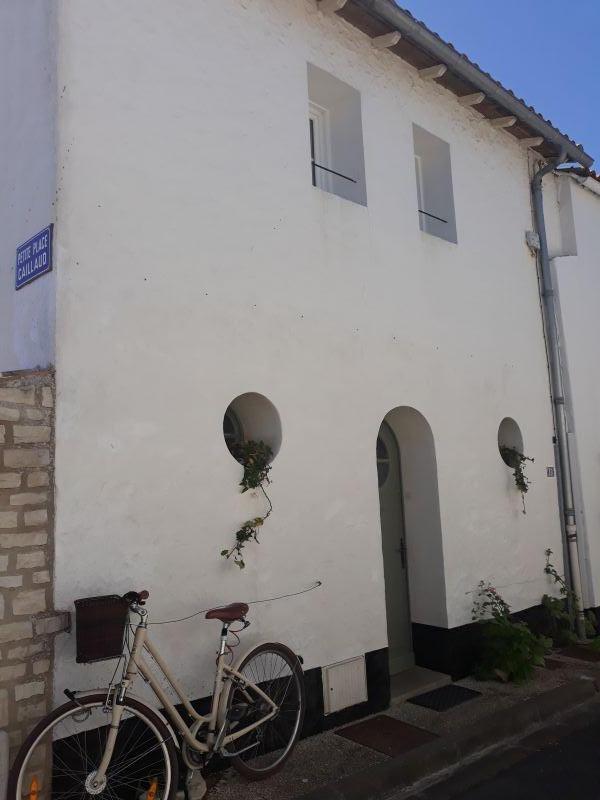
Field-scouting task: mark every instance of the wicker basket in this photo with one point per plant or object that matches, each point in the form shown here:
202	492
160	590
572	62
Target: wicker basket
100	627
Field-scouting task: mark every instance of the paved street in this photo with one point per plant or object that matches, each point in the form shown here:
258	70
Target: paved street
558	762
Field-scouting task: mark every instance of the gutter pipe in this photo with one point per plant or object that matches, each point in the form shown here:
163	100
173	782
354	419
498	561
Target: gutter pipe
408	26
565	483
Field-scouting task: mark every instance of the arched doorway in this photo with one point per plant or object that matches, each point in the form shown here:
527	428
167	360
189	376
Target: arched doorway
411	535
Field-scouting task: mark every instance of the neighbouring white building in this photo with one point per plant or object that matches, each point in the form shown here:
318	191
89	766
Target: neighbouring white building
311	217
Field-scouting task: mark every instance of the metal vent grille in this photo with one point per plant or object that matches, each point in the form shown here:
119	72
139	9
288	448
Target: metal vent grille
344	684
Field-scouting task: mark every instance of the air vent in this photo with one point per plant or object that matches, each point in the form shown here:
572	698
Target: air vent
344	684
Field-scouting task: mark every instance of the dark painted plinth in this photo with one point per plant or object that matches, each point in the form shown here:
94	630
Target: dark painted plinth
455	651
378	689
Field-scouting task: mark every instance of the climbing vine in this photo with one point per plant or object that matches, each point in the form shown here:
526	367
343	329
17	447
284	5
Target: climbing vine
562	610
255	457
516	461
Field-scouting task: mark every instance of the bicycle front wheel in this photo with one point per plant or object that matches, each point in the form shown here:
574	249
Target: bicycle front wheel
263	750
60	757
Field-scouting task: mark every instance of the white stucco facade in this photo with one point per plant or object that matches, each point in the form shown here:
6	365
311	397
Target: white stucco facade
196	262
28	100
573	208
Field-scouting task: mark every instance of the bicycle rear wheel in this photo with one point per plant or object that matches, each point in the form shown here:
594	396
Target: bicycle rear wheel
263	751
59	758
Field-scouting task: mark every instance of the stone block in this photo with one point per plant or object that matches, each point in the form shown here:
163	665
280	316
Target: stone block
25	651
14	631
3	708
27	457
12	673
8	414
34	414
10	480
47	397
3	563
37	558
26	690
35	479
31	434
2	434
8	519
21	396
41	577
39	517
32	539
41	666
29	602
52	623
28	498
31	712
10	581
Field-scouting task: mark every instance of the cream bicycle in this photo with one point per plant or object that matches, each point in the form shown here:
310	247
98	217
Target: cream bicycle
112	745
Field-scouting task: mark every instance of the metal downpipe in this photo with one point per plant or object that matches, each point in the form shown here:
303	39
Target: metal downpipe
557	392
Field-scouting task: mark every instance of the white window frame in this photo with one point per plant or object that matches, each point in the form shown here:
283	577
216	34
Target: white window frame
322	144
420	193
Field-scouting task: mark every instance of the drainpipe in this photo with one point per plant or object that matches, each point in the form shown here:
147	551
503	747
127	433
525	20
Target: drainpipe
557	392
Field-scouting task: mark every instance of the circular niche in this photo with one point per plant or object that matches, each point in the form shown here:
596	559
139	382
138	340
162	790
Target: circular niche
251	417
509	435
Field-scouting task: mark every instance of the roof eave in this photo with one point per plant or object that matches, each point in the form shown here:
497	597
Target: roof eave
386	11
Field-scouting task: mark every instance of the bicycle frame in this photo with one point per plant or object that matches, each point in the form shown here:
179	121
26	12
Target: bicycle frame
216	739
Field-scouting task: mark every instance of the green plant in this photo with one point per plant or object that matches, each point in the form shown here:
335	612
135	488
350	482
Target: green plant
591	624
562	610
489	602
255	457
595	643
516	461
510	650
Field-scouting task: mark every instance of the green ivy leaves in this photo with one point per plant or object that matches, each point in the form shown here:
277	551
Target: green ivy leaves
516	461
255	457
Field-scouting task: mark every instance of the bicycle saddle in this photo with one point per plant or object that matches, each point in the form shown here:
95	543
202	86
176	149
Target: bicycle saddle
234	612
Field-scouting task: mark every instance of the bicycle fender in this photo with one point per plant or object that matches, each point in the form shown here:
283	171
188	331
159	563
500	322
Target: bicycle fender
227	688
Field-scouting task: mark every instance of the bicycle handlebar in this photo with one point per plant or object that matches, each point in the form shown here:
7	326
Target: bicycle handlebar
137	597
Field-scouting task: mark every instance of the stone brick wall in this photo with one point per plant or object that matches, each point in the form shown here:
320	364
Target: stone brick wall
27	619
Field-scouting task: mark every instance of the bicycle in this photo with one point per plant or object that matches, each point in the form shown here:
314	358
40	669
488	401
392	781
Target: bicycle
114	746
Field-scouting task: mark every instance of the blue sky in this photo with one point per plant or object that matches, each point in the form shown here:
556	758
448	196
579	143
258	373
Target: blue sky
546	51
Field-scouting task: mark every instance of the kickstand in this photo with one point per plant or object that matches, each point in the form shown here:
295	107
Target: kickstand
195	785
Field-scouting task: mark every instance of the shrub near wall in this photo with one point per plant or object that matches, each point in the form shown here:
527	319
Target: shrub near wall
27	621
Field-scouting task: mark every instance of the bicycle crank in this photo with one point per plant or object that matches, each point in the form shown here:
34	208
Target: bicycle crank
193	759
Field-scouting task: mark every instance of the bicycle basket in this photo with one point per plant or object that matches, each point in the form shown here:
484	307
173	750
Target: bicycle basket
100	627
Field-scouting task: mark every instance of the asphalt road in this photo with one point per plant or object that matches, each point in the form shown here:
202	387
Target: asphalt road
561	761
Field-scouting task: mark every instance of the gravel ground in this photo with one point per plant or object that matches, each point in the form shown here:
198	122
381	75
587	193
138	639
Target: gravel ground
326	757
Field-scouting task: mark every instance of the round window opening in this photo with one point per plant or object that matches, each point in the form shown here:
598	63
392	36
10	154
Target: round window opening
510	440
251	417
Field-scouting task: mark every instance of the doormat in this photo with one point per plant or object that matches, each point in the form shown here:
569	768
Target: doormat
582	653
445	697
554	663
386	735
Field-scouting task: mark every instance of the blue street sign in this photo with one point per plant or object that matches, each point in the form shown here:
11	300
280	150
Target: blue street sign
34	258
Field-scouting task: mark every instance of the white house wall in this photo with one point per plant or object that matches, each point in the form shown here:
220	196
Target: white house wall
578	281
198	263
27	176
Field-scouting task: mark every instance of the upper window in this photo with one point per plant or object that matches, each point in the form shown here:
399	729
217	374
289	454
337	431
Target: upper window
434	185
335	135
